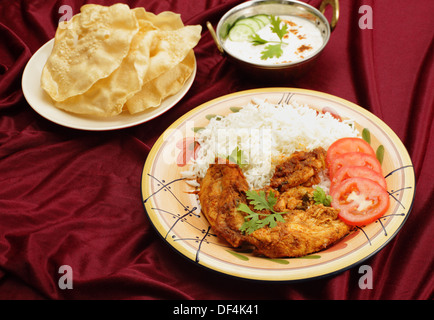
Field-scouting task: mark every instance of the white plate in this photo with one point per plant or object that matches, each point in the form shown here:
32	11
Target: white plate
42	103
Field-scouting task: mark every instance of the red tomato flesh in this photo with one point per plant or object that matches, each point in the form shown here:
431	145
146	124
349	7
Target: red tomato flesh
347	172
360	201
354	159
346	145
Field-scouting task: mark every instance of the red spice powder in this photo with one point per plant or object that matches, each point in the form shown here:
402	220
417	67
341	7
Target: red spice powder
303	48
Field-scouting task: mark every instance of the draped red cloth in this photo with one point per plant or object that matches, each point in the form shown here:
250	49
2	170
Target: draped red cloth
71	197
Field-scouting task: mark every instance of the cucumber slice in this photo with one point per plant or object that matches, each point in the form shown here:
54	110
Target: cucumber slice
263	17
261	23
240	32
252	23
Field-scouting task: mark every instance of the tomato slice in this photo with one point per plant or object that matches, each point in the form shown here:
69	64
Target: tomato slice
360	201
354	159
346	145
347	172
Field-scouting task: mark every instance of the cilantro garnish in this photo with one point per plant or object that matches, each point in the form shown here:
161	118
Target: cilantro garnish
261	201
237	156
272	50
319	197
275	49
277	28
257	40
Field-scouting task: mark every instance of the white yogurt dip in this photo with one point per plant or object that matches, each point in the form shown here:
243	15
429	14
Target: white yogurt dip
302	40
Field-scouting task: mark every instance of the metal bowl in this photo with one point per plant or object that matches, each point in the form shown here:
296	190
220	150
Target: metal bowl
283	8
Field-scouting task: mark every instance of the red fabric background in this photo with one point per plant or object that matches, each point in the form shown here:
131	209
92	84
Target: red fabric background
73	197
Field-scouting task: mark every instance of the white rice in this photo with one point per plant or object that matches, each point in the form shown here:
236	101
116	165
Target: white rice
266	133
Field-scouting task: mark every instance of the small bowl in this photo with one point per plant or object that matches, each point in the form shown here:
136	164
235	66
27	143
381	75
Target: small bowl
278	8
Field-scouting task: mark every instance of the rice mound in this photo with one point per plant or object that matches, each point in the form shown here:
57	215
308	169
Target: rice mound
265	133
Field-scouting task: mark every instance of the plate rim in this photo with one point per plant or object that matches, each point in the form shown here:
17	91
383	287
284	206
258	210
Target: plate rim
27	92
387	130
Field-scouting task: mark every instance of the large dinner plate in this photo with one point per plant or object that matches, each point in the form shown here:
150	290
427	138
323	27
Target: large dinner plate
42	103
173	208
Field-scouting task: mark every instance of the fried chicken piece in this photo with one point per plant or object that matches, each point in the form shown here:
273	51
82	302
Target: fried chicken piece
222	190
308	227
301	168
294	198
302	233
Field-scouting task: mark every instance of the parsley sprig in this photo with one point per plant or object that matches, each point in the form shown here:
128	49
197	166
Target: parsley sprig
274	48
260	201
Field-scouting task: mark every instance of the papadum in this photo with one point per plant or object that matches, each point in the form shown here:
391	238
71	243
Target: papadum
93	70
89	48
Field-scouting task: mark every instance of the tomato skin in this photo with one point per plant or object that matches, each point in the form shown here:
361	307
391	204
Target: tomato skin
354	159
332	112
366	189
346	145
347	172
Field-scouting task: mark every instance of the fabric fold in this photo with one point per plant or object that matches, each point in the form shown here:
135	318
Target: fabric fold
15	54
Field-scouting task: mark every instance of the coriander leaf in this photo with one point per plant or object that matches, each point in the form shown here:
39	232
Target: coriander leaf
271	220
260	201
272	50
276	28
250	221
237	156
245	208
320	197
257	40
248	226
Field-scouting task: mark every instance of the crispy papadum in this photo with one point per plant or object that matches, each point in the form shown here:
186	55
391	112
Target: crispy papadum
166	20
132	62
169	83
108	96
89	48
169	68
